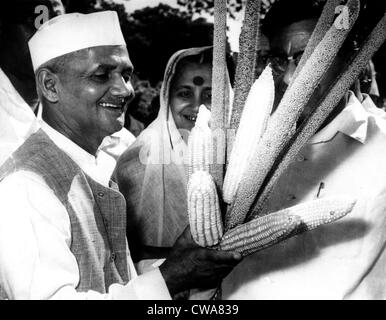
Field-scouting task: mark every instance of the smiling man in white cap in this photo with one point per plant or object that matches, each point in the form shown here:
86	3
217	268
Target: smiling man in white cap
62	222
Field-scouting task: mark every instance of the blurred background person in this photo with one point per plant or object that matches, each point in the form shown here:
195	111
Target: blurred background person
18	97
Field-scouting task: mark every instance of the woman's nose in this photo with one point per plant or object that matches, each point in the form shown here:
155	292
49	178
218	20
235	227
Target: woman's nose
197	101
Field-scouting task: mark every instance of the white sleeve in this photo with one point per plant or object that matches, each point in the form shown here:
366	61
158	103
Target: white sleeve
35	257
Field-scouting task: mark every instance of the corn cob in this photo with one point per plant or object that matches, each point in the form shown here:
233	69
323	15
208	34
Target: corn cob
204	210
324	23
308	129
322	211
200	144
259	233
246	60
265	231
220	90
280	126
253	123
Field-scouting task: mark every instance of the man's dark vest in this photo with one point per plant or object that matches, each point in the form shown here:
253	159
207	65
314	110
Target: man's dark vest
97	213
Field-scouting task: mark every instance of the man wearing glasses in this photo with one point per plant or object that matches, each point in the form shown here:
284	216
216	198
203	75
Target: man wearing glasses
345	260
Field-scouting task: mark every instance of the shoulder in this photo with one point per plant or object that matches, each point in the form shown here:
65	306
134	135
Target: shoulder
22	178
129	167
26	187
144	142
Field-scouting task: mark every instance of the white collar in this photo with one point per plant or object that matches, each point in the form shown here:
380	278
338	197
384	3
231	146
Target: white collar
352	121
86	161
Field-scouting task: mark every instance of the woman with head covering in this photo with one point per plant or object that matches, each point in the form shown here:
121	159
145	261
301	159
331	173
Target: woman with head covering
151	173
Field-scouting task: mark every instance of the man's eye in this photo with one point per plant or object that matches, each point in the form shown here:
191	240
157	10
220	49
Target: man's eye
101	76
126	77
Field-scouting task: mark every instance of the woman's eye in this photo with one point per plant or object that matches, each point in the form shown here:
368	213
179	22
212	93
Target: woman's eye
208	95
184	94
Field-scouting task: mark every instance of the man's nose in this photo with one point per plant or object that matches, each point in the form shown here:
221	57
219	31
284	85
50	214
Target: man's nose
289	72
122	88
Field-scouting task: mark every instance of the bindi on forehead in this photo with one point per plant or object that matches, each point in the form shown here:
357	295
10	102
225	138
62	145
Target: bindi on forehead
198	81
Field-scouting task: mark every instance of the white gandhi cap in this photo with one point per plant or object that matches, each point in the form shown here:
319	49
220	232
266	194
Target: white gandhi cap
72	32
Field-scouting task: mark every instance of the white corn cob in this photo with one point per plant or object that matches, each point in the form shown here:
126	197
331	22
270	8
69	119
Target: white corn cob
204	209
200	144
265	231
322	211
253	123
260	233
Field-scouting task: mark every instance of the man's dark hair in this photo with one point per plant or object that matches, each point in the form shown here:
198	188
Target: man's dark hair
286	12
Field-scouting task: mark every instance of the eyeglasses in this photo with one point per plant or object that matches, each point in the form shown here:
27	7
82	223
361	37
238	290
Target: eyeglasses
279	63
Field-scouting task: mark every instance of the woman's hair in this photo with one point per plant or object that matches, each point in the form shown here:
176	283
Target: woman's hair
204	57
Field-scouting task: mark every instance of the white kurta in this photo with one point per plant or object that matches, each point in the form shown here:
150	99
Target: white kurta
344	260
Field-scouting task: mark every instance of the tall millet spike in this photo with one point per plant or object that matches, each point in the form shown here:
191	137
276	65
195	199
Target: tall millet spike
280	127
246	62
311	125
200	144
324	23
219	89
204	210
253	123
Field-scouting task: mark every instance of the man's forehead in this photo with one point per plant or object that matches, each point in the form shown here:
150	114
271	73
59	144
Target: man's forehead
106	55
293	38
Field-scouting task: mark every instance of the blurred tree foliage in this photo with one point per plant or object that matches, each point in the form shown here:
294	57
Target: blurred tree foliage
207	6
152	34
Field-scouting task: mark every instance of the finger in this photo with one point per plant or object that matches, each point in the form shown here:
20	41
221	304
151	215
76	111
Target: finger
224	256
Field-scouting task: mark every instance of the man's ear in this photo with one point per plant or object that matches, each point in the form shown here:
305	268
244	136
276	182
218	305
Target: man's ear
48	82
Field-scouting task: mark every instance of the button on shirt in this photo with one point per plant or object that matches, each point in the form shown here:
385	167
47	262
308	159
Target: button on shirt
343	260
35	237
